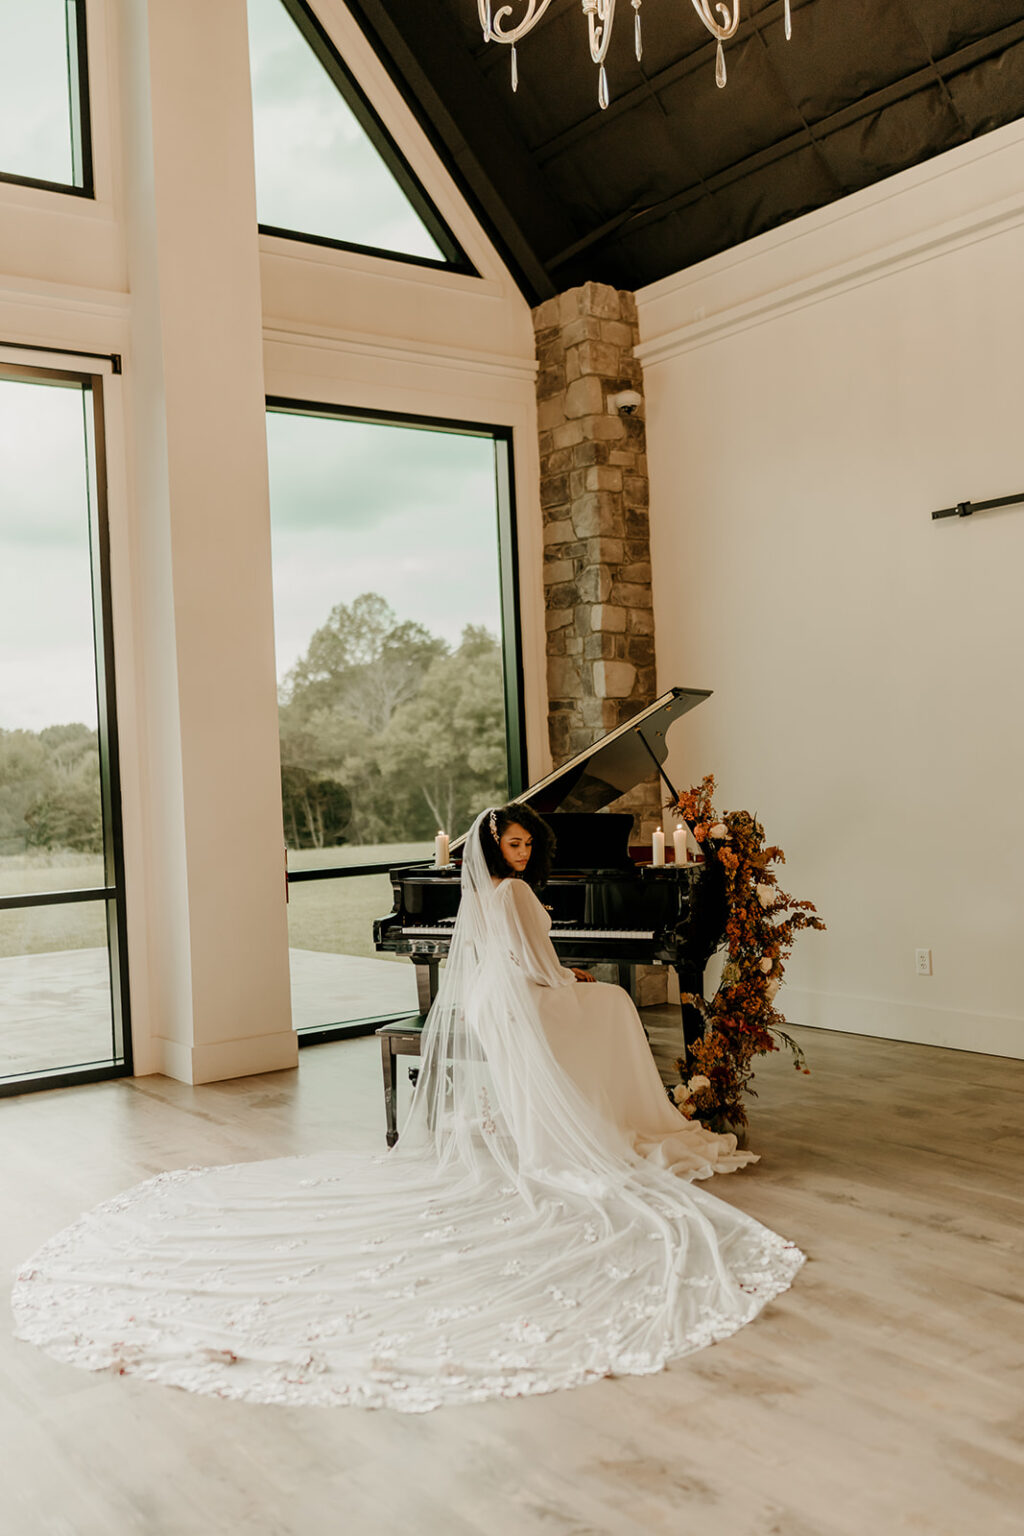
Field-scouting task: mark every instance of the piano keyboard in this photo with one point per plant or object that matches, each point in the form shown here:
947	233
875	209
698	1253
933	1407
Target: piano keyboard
444	931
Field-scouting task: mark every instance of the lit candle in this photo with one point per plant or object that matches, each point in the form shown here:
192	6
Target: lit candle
658	847
441	850
679	843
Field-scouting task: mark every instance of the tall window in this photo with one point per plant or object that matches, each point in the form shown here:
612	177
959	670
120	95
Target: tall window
63	989
398	675
44	97
327	170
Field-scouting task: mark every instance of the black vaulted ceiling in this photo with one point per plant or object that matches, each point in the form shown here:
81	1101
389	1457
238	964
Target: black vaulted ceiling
675	169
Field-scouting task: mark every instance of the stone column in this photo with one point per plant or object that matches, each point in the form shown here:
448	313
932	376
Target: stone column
597	558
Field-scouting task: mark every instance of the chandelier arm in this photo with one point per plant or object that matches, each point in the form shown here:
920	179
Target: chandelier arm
600	16
496	27
720	17
724	25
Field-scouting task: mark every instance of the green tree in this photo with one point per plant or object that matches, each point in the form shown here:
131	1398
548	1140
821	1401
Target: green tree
362	663
24	770
50	789
447	745
317	810
68	813
338	699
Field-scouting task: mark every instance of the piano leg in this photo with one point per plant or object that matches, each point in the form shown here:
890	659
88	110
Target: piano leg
627	981
691	980
426	983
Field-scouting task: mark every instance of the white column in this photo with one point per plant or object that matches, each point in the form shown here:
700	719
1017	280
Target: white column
214	1001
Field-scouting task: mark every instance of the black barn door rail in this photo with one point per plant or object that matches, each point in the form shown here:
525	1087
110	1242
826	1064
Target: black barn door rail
968	508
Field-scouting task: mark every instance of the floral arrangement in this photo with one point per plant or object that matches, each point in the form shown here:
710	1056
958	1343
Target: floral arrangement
740	1020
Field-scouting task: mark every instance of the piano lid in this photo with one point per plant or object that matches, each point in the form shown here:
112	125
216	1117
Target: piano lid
615	764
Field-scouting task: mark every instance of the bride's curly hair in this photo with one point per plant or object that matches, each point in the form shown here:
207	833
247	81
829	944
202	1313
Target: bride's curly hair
542	853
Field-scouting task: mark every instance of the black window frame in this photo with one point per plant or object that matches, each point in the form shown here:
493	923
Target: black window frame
503	438
120	1063
81	120
355	98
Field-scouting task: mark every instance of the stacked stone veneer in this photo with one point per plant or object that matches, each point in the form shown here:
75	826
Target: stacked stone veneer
597	558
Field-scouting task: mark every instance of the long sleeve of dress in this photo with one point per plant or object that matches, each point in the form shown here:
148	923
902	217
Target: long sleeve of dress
526	933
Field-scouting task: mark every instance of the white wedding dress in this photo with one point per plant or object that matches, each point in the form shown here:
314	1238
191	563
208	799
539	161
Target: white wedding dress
536	1227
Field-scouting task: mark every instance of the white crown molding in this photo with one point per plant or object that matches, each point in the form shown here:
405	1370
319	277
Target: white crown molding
746	286
359	344
863	269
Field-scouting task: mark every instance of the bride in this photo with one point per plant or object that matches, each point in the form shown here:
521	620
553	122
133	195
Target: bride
536	1227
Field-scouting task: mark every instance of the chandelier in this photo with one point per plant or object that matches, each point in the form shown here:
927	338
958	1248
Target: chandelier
721	17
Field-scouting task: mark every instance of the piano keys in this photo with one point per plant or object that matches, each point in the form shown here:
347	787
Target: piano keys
608	903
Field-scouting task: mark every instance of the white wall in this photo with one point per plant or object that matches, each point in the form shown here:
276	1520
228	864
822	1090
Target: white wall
161	266
812	396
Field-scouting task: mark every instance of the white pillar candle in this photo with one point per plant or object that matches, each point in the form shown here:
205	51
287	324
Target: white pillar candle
658	847
441	857
679	843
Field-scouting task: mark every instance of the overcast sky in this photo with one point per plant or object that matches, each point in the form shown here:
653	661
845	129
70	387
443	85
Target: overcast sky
46	647
316	171
363	508
35	127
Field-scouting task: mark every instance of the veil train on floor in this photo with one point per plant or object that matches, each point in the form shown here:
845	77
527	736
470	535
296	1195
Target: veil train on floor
513	1242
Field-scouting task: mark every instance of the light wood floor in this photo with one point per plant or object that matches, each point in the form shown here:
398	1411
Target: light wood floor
883	1394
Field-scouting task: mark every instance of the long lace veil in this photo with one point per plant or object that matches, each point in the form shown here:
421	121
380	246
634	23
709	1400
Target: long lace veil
511	1243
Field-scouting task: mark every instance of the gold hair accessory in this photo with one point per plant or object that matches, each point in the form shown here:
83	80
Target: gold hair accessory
492	822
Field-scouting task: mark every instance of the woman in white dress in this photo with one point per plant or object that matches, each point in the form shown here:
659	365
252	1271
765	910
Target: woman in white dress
595	1036
535	1228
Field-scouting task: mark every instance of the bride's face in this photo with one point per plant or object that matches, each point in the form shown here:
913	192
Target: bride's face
516	845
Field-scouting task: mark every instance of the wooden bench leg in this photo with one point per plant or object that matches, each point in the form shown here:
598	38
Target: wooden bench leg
389	1062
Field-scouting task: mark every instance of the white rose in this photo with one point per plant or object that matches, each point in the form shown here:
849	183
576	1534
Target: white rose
680	1094
771	989
697	1083
767	895
766	963
719	830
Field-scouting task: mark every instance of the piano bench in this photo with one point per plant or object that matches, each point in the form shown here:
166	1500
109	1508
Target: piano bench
399	1038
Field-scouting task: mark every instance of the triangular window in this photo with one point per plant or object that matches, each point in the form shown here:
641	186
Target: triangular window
327	170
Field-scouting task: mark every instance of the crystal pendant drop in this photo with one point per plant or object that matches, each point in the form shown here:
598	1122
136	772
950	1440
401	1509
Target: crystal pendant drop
515	69
602	89
637	39
789	23
720	75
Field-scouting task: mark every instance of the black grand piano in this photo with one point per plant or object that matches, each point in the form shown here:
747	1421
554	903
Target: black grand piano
608	903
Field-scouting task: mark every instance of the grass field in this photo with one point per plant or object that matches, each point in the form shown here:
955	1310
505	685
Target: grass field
41	930
334	916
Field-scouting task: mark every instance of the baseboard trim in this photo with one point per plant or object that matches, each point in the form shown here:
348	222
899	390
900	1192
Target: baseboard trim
227	1058
885	1019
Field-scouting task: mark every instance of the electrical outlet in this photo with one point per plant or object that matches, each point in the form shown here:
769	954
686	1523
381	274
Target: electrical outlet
923	962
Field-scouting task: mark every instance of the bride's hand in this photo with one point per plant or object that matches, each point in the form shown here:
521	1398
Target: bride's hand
580	975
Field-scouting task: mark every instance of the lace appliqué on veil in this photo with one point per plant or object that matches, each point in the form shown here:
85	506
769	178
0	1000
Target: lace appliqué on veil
330	1331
